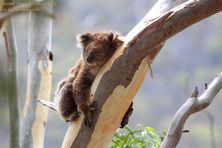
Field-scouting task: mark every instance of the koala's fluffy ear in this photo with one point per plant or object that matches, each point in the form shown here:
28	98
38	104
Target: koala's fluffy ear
115	39
83	39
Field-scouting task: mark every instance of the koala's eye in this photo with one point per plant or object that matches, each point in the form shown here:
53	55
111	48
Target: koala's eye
90	57
91	54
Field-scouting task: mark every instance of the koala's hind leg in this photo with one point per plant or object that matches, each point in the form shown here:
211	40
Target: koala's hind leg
67	104
127	115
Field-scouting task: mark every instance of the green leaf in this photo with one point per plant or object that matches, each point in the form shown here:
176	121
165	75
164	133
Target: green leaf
141	137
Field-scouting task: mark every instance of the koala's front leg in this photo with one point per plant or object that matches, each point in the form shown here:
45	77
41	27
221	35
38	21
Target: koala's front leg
81	93
83	102
88	111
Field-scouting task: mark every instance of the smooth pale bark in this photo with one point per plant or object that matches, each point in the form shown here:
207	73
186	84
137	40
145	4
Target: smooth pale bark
12	86
39	78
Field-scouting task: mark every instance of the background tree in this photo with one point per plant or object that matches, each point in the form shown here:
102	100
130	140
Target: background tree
39	76
39	80
11	82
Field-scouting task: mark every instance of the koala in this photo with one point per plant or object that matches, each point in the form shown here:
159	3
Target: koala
72	96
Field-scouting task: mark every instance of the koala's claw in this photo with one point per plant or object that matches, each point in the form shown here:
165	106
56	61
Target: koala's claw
94	106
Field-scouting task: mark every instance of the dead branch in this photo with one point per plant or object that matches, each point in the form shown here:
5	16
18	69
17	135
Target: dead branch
192	105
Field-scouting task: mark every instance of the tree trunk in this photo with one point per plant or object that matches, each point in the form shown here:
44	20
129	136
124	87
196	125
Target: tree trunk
39	78
12	92
119	80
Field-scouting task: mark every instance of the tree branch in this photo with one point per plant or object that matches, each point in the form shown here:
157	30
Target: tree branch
192	105
20	8
207	97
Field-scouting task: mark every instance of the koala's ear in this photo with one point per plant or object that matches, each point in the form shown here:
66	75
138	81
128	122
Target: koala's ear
111	37
83	39
115	39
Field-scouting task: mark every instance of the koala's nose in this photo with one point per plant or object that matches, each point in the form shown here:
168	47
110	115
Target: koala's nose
90	57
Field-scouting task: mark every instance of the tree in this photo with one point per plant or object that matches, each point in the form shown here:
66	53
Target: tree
39	73
39	77
12	92
129	65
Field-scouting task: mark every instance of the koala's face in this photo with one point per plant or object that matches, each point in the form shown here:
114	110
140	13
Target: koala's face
98	47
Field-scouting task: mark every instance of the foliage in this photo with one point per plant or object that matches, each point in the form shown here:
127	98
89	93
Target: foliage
141	137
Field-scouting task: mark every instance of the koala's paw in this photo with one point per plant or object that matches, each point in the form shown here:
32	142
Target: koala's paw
90	113
94	106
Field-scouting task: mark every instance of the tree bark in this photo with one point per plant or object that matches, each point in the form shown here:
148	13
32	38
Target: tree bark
39	77
129	66
12	88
